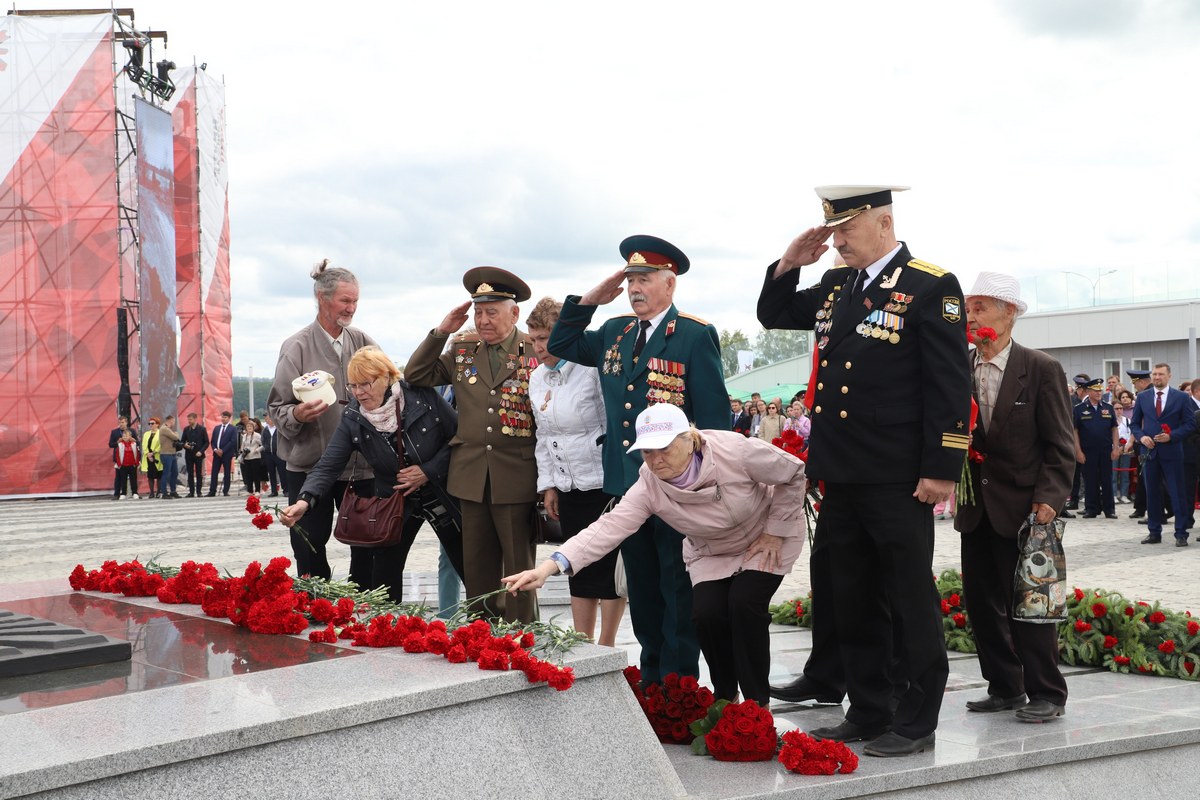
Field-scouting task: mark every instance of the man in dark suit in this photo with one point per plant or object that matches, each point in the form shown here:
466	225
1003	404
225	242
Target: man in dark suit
195	447
1163	418
885	319
1025	435
657	354
224	447
276	469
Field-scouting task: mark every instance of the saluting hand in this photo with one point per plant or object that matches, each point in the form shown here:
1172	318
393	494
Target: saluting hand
607	291
455	319
805	249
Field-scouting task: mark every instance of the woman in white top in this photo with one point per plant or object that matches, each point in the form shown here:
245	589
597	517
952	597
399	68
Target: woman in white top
569	411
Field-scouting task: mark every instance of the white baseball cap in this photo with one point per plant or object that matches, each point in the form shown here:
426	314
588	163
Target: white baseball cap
317	385
658	426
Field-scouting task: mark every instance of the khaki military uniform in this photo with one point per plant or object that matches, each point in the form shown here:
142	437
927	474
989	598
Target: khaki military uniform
493	471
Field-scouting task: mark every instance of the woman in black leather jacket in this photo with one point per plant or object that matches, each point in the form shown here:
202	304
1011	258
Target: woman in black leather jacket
371	423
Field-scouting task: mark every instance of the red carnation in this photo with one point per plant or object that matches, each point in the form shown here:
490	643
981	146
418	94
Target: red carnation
1110	642
1122	660
1189	666
1193	627
946	608
1158	618
1079	595
262	520
1145	668
1166	429
1082	627
1099	610
1129	612
960	619
1167	647
955	600
253	506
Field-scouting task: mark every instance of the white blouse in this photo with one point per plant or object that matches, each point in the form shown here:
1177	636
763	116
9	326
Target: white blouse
569	411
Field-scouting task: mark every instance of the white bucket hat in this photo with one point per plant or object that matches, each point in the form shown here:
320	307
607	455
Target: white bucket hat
316	385
999	286
658	426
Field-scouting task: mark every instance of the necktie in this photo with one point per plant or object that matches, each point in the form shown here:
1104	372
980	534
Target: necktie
641	340
860	283
220	436
1158	405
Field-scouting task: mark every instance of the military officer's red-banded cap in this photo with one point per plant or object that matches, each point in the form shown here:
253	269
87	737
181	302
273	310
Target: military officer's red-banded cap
651	254
844	203
491	284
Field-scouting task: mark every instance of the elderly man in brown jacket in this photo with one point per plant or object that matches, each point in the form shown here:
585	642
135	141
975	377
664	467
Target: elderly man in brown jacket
493	471
1026	437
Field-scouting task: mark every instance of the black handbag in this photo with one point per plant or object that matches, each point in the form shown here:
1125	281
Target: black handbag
372	521
546	530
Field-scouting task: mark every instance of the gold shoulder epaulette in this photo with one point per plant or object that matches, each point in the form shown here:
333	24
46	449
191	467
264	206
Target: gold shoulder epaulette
693	318
925	266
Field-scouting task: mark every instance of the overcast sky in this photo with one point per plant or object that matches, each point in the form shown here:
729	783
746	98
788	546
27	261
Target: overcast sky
410	142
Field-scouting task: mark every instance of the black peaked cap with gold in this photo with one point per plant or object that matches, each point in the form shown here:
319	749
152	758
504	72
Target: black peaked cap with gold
844	203
491	284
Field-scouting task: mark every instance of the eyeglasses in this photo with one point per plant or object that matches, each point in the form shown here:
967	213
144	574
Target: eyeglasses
359	387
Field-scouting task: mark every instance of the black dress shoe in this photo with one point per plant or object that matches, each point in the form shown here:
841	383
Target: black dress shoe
1073	506
1152	540
893	744
997	703
1137	514
847	731
803	690
1181	542
1067	515
1089	515
1142	521
1039	711
211	494
1110	515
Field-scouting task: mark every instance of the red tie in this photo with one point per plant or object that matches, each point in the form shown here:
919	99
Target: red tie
1158	405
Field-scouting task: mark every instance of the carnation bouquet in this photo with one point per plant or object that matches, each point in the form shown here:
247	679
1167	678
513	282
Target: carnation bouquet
671	706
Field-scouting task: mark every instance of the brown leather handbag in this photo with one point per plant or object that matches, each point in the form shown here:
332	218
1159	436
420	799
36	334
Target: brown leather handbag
372	521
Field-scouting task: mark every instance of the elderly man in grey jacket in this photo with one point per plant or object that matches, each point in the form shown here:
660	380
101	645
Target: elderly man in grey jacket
305	428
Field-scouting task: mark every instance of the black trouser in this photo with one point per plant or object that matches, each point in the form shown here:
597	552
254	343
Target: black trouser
195	472
317	523
660	601
733	626
824	665
223	462
276	472
119	481
1015	657
881	559
1189	491
372	567
1097	479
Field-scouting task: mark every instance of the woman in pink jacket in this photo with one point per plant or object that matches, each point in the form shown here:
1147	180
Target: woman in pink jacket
740	504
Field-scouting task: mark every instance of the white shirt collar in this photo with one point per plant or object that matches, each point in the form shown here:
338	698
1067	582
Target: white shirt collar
655	321
874	269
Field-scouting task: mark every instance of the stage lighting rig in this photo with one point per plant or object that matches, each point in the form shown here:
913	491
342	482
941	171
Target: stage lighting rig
162	86
137	48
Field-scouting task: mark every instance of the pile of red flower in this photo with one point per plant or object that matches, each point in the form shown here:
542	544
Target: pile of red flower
130	579
671	706
264	601
808	756
745	732
791	441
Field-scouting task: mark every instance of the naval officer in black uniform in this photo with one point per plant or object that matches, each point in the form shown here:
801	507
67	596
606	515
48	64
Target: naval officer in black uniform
654	355
886	455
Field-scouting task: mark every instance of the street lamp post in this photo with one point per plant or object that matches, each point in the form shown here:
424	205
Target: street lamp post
1095	283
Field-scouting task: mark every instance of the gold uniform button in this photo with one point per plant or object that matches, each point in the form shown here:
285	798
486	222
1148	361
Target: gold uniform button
625	423
628	406
847	365
824	363
820	385
817	409
629	388
625	443
843	415
845	389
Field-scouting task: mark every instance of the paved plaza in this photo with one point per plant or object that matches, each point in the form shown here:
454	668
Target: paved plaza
44	539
